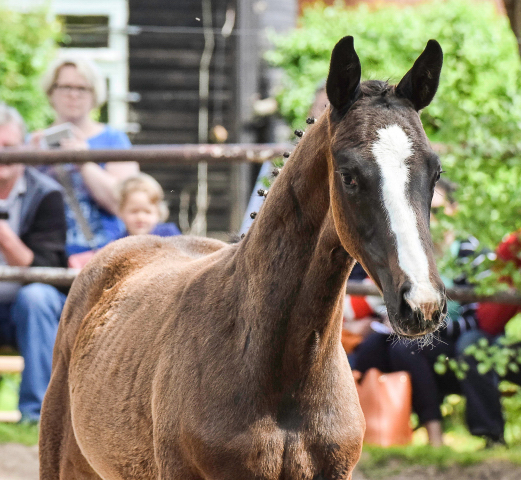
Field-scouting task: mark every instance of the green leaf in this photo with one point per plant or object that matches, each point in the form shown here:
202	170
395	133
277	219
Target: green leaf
27	45
483	368
440	368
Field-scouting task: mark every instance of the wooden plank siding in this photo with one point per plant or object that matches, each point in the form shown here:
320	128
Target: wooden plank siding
164	71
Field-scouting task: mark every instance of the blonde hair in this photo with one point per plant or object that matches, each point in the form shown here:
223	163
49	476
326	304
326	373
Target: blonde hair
86	68
144	183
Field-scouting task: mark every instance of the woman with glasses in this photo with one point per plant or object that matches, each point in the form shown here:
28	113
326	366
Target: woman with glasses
75	88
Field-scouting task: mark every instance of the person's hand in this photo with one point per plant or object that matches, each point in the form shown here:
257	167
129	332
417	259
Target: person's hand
73	144
79	142
15	252
36	139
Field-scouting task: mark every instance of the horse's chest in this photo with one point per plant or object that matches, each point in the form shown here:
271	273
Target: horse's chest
272	453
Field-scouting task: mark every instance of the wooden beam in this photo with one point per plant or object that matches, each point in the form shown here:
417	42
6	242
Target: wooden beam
11	364
60	277
165	154
10	416
65	277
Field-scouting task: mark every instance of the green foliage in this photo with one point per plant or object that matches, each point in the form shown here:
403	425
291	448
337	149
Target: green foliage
26	434
476	113
27	44
502	357
511	401
9	384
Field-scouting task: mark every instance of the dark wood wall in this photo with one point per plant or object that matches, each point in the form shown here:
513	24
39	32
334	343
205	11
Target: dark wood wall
164	62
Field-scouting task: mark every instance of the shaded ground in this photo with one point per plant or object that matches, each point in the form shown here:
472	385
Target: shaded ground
493	470
18	462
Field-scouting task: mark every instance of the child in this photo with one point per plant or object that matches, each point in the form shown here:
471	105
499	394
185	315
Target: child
142	208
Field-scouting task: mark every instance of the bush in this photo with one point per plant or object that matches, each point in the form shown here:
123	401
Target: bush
27	44
476	113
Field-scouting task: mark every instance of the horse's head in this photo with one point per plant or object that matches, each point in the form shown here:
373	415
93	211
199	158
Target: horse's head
382	177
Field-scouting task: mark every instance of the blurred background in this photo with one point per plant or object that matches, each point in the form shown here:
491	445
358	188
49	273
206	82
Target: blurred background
247	71
264	60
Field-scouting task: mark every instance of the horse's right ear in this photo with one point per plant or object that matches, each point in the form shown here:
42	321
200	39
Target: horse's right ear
343	81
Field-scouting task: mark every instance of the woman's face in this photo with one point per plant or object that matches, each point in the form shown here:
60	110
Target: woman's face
71	97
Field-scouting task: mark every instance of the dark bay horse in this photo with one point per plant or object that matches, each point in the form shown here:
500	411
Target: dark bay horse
190	359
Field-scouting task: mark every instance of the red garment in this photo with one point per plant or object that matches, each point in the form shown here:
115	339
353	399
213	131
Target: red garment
510	248
361	307
492	317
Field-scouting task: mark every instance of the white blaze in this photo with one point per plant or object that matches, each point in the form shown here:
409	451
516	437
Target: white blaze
391	151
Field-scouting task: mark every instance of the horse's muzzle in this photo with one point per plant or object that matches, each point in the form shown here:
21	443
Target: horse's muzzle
416	317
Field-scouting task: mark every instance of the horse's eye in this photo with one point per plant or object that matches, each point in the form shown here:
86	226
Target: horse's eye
438	175
349	180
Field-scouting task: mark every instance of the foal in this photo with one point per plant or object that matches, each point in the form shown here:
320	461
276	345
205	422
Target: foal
186	358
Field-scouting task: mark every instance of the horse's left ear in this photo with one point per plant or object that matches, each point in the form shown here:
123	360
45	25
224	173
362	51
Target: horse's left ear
420	83
343	81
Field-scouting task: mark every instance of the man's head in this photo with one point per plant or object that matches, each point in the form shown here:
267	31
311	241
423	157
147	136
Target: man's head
12	133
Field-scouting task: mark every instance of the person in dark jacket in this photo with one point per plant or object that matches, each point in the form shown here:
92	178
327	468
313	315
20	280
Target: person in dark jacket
32	234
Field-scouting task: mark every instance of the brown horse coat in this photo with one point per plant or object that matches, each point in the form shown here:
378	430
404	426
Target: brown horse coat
186	358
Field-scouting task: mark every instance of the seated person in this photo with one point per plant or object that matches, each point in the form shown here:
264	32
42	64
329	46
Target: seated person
142	207
75	88
32	233
361	313
484	408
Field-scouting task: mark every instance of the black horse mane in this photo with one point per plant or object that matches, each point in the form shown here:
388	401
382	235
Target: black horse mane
374	88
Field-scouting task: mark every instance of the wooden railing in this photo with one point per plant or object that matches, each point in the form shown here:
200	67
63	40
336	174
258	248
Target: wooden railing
164	154
170	155
64	277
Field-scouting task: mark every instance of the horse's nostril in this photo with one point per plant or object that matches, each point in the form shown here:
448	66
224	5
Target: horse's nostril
405	308
440	313
444	309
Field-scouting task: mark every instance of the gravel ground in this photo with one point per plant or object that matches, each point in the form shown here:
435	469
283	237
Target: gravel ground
18	462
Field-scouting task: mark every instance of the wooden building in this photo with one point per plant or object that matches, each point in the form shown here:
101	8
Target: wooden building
166	44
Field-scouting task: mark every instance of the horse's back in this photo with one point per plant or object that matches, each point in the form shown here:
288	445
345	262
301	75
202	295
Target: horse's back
123	258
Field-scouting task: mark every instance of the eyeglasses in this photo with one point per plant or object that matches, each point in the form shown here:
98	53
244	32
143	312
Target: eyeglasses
67	89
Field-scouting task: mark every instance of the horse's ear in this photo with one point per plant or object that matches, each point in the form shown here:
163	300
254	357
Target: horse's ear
343	81
420	83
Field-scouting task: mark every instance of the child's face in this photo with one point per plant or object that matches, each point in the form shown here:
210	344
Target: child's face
139	214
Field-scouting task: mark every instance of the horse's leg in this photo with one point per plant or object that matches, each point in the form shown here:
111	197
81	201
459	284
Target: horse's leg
60	456
170	461
170	466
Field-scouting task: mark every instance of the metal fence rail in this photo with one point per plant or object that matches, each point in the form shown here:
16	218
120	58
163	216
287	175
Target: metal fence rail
64	277
165	154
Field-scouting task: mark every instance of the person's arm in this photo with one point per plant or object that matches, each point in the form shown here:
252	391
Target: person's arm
102	182
47	234
15	252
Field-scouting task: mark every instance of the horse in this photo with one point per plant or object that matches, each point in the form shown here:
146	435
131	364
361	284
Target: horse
189	358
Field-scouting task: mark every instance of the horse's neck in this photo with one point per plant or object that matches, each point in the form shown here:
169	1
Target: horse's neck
293	262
